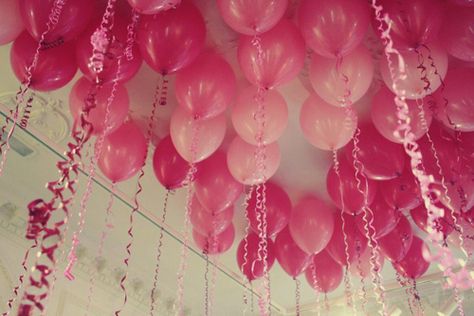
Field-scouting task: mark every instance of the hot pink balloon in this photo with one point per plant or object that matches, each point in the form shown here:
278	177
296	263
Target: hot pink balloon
206	223
243	162
414	265
75	15
356	241
384	116
384	219
325	126
395	245
444	224
333	28
123	153
382	159
248	257
171	40
353	199
457	33
363	267
170	168
208	135
277	209
413	83
291	258
312	224
153	6
282	58
414	22
246	122
215	187
118	108
252	17
205	88
324	274
466	3
215	244
55	67
459	196
402	193
342	82
12	24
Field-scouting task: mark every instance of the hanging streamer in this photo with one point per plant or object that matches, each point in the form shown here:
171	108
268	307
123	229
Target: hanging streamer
297	296
248	196
362	281
206	284
403	284
316	287
213	284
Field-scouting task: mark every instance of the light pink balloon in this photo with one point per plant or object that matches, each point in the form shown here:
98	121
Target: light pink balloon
245	116
118	108
333	28
343	84
12	24
209	134
153	6
384	116
209	224
457	33
325	126
251	17
362	267
243	165
412	83
282	56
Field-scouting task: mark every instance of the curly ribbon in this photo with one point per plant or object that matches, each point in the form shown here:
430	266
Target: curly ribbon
297	296
417	297
53	19
347	281
363	294
248	196
206	284
326	302
316	287
440	254
403	283
212	289
131	35
100	251
158	253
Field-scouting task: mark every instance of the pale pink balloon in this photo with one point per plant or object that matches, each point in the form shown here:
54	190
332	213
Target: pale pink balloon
209	224
457	33
153	6
333	28
251	17
243	164
12	24
384	116
207	135
342	82
282	56
412	83
325	126
362	266
245	116
118	108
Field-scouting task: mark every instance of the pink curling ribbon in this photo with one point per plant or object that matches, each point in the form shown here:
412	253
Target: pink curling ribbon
363	295
131	35
248	196
403	284
297	296
206	285
316	287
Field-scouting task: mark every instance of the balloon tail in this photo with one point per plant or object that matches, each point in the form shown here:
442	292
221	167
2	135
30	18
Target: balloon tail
403	284
362	282
213	284
316	288
248	196
164	91
206	285
131	35
298	296
346	98
326	302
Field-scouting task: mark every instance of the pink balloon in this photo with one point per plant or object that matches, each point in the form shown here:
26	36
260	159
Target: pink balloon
277	210
209	134
243	163
395	245
312	224
245	120
444	224
356	242
457	33
458	113
123	153
362	267
215	244
206	87
291	258
115	50
460	195
414	22
413	84
414	265
325	126
209	224
468	236
402	193
171	40
282	56
215	187
353	199
252	17
153	6
382	159
324	274
466	3
384	116
118	108
333	28
384	219
248	257
12	25
55	67
75	15
170	168
342	82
